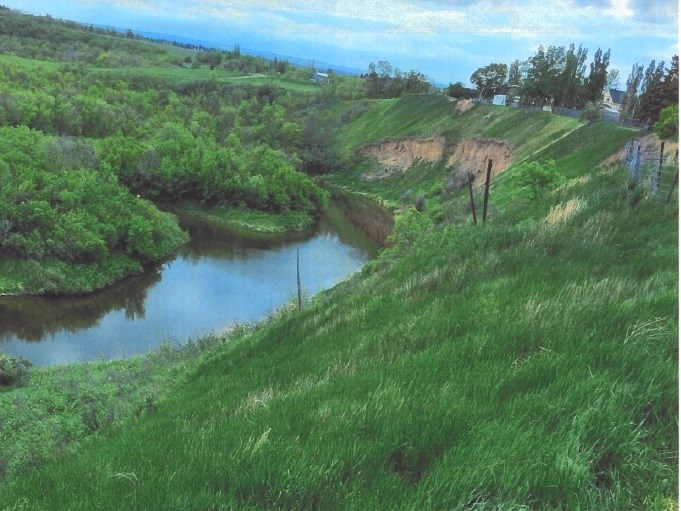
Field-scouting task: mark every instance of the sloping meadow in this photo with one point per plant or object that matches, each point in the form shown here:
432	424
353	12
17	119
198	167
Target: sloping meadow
529	363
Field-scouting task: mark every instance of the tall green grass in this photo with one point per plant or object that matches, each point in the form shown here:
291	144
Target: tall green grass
530	363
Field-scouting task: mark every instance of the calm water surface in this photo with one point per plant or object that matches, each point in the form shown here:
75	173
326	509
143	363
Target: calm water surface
217	279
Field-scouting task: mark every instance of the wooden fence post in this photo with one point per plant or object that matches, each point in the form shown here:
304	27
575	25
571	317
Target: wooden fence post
489	177
300	296
671	191
657	177
633	163
470	191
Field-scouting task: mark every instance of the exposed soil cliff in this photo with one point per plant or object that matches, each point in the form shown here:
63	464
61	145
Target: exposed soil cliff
399	155
471	156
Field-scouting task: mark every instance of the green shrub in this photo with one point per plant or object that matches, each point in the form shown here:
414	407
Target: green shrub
537	177
591	112
668	125
13	370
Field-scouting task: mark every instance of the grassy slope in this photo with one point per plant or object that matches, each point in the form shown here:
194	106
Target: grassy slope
430	116
529	362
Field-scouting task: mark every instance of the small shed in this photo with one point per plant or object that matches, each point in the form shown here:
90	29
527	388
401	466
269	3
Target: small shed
318	77
499	99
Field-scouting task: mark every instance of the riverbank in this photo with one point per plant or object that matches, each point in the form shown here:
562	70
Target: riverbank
247	220
48	411
22	277
369	212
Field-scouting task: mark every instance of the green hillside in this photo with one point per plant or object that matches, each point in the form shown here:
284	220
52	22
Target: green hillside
528	363
100	130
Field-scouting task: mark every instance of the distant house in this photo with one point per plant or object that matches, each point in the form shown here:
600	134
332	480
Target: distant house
320	77
612	99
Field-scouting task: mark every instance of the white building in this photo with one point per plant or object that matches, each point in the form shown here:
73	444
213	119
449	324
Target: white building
320	77
499	99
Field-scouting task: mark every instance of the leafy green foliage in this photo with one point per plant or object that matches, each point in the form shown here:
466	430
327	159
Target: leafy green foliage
591	112
104	115
489	79
75	215
537	177
668	125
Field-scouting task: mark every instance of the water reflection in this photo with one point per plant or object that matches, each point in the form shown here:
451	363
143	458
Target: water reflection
218	278
32	318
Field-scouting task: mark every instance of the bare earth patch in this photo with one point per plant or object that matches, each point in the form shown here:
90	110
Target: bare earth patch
470	155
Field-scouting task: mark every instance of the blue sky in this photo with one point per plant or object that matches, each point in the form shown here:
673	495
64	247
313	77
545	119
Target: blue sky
445	39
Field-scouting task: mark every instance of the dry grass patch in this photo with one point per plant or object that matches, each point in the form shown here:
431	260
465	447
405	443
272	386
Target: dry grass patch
563	212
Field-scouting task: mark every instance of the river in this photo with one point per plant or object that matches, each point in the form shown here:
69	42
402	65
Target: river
217	279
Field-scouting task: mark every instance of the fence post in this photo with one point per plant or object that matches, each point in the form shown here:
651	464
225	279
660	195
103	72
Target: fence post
300	296
470	191
657	175
676	180
633	164
489	177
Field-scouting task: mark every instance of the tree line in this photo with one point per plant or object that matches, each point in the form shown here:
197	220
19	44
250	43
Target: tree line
385	81
560	76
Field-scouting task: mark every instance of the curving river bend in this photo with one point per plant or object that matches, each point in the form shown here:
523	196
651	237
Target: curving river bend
217	279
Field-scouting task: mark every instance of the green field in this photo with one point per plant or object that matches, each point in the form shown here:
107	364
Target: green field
529	363
180	75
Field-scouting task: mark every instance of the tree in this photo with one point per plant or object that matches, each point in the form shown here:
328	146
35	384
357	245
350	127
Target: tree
671	82
630	100
374	89
570	82
489	79
212	57
613	79
457	90
543	69
537	177
598	75
652	95
415	82
514	74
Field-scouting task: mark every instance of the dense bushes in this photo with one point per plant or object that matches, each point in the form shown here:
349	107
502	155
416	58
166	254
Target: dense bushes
668	125
74	214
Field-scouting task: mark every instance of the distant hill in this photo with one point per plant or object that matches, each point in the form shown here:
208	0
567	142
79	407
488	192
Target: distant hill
296	61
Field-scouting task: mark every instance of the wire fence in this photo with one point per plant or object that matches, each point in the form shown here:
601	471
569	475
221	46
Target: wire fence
651	169
575	113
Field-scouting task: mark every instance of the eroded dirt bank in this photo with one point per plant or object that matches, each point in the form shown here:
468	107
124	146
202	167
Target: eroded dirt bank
470	155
